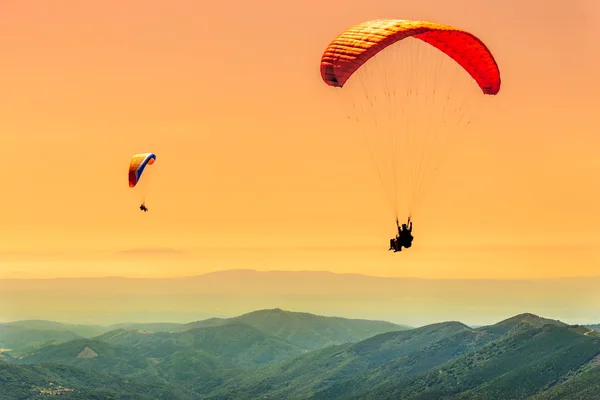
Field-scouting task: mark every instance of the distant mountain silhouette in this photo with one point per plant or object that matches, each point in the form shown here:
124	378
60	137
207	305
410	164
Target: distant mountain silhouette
409	301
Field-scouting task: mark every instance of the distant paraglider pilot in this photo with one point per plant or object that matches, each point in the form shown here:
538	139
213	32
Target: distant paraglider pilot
404	237
137	165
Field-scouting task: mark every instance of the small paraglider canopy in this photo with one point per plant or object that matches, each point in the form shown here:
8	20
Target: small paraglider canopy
137	165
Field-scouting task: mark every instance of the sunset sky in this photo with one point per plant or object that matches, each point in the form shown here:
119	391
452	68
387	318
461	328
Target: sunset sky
251	171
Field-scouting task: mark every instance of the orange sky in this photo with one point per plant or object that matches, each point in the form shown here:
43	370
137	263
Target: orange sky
229	97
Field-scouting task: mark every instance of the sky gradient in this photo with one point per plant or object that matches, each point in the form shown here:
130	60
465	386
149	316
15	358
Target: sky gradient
229	98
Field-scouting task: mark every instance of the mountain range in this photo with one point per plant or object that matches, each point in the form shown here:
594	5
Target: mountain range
224	294
279	354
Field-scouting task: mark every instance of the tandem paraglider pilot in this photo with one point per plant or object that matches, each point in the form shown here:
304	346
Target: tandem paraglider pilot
404	237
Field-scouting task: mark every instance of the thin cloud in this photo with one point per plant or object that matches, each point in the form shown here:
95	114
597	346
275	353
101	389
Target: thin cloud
151	251
17	274
522	248
28	254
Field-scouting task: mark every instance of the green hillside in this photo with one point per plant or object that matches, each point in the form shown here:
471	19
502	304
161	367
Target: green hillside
18	340
521	363
307	375
585	386
91	354
308	331
198	371
513	359
20	382
232	342
523	357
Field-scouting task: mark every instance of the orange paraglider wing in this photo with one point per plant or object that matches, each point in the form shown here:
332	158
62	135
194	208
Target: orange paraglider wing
137	165
354	47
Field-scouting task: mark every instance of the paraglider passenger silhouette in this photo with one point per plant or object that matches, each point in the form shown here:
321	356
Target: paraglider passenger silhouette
394	245
395	242
143	208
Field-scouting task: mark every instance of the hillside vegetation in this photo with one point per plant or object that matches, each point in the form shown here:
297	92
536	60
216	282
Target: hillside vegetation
285	355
